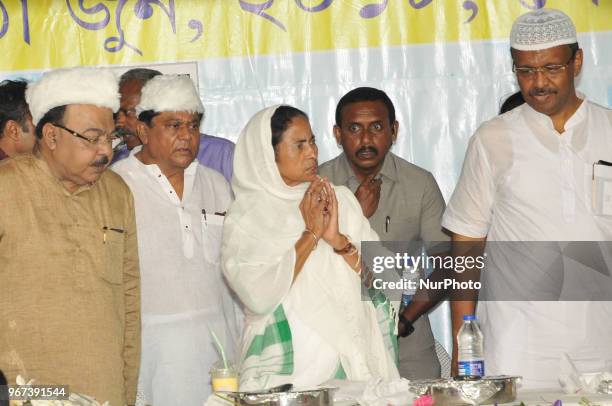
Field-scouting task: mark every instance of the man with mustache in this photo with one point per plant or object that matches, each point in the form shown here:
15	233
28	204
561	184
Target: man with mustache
70	303
180	207
214	152
130	86
401	200
527	176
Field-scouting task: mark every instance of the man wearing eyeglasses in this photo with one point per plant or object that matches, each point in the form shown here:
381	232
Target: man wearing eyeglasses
130	86
70	302
527	177
180	208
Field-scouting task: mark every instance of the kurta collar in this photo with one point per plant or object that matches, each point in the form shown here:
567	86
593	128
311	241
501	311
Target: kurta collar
574	134
578	117
157	175
154	170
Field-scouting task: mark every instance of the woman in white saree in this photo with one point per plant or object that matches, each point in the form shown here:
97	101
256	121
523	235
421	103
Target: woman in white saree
290	252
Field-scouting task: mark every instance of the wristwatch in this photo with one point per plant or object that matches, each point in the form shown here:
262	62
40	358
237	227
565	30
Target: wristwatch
408	327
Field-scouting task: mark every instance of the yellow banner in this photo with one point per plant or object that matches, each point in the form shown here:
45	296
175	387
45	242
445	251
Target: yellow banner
40	34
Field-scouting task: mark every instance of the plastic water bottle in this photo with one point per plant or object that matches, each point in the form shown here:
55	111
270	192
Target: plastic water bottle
409	273
470	346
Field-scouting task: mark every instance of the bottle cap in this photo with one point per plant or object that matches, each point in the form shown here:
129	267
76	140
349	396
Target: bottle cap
469	317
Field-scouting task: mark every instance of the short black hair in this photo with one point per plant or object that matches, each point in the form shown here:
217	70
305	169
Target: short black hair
574	47
365	94
513	101
53	116
280	121
140	75
147	117
13	105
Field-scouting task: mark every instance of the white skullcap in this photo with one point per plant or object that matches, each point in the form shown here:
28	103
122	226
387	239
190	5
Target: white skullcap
170	93
72	86
542	29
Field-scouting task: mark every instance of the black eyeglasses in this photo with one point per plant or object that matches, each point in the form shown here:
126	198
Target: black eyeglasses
529	72
112	138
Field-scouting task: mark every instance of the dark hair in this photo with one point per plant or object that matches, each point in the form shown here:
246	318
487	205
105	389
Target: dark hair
55	115
513	101
12	103
573	48
140	75
147	117
280	121
365	94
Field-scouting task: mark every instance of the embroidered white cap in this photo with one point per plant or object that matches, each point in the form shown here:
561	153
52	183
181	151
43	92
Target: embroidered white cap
170	93
60	87
542	29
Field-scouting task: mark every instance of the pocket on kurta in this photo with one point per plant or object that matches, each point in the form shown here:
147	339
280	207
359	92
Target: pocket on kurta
114	245
212	237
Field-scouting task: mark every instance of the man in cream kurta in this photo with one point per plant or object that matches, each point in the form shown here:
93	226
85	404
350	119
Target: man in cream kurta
180	208
527	177
70	303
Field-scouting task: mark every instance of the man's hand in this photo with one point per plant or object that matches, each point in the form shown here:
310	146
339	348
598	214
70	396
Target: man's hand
400	328
368	195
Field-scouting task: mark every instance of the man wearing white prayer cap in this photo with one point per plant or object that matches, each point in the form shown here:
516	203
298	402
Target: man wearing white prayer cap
70	304
180	208
527	177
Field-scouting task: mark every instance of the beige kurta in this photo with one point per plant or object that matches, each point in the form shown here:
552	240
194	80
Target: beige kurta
69	290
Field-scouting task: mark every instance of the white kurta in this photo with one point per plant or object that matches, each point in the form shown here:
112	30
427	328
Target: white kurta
183	291
523	181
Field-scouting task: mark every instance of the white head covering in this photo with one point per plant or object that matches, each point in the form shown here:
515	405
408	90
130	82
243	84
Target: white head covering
542	29
258	259
170	93
255	167
61	87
